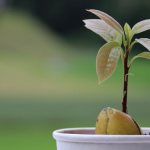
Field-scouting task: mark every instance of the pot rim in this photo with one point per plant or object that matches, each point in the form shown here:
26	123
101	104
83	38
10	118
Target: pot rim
86	135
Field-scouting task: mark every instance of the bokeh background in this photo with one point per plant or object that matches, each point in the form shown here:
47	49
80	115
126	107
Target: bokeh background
47	69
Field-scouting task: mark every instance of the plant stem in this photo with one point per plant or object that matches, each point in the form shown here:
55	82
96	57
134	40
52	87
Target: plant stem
125	88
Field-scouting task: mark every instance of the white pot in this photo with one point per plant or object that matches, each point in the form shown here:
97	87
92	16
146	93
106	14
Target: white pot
85	139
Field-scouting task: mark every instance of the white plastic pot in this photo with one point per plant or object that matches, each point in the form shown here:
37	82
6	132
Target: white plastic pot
85	139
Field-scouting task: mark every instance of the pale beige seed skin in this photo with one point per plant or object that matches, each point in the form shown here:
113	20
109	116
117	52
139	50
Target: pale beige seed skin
112	121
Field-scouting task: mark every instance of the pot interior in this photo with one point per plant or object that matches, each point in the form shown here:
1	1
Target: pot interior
90	131
79	131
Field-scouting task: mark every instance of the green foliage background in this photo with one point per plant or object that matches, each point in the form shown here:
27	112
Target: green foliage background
48	81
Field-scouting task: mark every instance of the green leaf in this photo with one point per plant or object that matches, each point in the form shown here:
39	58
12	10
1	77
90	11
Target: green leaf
145	55
122	55
106	60
108	19
101	28
145	42
141	26
128	33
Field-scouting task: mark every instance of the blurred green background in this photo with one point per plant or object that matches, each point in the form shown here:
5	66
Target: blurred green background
47	70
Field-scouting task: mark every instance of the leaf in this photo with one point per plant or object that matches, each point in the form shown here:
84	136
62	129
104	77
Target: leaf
128	33
145	42
145	55
101	28
122	55
106	60
108	19
141	26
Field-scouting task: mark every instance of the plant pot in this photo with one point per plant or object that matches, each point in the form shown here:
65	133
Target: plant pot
86	139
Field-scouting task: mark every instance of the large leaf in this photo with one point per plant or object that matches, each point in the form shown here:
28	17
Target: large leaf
108	19
141	26
145	55
145	42
106	60
101	28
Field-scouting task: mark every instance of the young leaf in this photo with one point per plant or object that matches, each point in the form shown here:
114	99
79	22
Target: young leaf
106	60
141	26
145	42
101	28
145	55
108	19
128	33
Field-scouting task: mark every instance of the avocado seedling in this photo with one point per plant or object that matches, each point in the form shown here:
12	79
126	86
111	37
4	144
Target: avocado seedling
119	44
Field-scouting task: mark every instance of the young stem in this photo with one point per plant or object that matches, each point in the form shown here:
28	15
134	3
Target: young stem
125	88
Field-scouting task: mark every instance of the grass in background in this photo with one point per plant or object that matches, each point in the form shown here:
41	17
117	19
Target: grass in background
46	83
